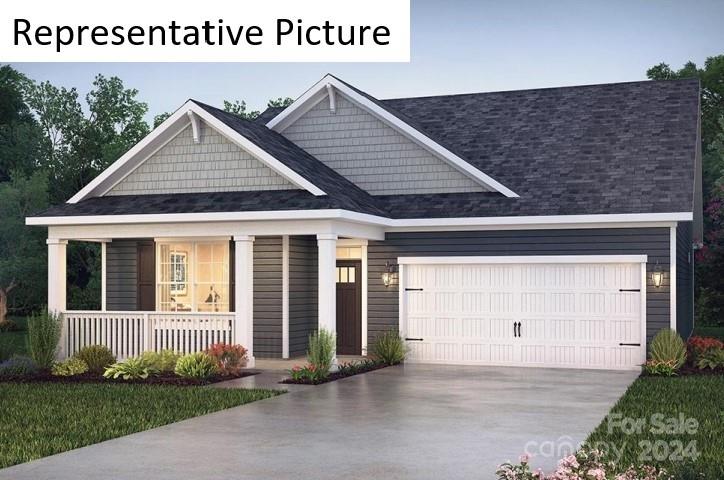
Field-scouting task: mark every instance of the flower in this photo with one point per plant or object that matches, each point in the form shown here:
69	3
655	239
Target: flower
524	458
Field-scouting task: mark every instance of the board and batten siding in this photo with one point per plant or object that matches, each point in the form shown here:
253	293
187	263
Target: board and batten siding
383	304
213	165
302	292
121	275
684	279
268	297
371	154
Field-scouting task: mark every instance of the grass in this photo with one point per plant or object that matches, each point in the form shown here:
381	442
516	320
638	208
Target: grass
15	342
690	397
44	418
706	331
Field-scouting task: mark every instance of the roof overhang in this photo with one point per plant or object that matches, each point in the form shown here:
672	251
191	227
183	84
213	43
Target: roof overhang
329	83
189	114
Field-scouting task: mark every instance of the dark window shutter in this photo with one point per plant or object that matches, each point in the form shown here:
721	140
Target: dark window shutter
146	275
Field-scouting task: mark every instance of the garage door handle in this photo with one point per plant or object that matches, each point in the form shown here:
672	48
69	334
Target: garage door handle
629	344
629	289
413	339
413	289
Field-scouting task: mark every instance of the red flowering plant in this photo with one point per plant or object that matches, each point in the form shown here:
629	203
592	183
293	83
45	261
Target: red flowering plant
308	373
229	358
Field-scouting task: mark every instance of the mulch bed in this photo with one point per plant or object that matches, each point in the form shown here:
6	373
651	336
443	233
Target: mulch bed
333	376
163	379
690	370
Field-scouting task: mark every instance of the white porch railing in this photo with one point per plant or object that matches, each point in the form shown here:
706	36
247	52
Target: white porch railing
128	334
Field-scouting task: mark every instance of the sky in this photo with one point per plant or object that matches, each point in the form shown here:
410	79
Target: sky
458	46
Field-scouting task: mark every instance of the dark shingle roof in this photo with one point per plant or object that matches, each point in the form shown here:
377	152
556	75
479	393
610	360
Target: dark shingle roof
614	148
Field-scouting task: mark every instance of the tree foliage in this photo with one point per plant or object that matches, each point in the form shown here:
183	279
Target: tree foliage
239	108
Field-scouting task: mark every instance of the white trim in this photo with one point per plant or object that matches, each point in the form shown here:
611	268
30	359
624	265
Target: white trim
401	305
160	136
104	275
672	278
287	116
195	126
644	219
352	242
332	102
285	296
523	259
644	312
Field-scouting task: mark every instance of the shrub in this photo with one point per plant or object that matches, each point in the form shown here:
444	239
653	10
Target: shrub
135	368
699	345
309	373
196	365
163	361
390	348
230	359
9	326
657	367
322	346
44	337
668	346
18	366
353	368
712	359
97	357
68	368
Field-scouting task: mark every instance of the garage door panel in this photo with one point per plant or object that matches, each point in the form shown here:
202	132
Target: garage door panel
570	315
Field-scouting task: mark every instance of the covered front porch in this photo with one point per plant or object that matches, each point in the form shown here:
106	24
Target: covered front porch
186	285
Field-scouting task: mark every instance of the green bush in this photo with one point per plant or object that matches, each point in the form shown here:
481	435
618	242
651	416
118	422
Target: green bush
322	347
390	348
135	368
44	337
712	359
18	366
9	326
667	346
196	365
665	369
68	368
97	357
163	361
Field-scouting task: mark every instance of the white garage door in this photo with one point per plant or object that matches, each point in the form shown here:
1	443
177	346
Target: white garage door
575	312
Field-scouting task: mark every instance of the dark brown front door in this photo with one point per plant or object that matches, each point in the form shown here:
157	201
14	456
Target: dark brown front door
146	276
349	307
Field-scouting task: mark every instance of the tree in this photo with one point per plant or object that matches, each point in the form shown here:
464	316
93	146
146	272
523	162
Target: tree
22	248
160	118
238	107
280	102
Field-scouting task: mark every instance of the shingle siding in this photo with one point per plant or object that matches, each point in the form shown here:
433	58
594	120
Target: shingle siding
684	279
372	154
302	292
121	275
383	301
214	165
268	297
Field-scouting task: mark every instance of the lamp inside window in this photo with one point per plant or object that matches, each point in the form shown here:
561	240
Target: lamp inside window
388	276
657	276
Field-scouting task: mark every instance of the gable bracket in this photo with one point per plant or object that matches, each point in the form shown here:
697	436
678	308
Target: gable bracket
330	92
195	126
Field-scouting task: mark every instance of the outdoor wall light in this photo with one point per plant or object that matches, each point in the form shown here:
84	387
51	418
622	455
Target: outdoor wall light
388	276
657	276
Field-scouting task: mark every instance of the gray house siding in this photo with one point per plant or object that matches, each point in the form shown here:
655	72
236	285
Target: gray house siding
383	301
121	275
213	165
302	292
268	297
684	279
372	154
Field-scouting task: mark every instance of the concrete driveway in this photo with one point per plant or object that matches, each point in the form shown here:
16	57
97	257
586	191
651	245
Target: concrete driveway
416	422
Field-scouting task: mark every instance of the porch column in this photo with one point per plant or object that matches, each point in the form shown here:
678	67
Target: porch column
104	273
57	284
327	286
244	294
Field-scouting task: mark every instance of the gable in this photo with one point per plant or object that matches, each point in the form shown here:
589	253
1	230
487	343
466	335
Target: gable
371	154
215	164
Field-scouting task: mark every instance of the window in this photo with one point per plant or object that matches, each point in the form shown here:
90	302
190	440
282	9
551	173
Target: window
346	274
193	277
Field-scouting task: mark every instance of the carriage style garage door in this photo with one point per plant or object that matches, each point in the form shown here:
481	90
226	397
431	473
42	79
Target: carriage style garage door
554	311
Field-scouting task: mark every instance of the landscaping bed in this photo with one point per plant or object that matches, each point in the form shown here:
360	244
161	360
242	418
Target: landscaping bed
164	378
344	371
41	419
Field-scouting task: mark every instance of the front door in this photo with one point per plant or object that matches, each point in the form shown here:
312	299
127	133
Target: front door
349	307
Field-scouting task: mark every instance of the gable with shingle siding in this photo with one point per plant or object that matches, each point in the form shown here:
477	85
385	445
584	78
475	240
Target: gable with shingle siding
213	165
373	155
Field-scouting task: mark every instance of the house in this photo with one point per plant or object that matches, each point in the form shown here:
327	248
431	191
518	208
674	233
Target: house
549	227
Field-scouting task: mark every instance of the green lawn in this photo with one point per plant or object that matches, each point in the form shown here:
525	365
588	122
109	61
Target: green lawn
693	398
14	342
46	418
704	331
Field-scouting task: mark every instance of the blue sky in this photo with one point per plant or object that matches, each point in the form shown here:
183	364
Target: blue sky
457	46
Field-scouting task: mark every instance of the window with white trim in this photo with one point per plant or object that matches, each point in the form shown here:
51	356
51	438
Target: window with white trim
192	276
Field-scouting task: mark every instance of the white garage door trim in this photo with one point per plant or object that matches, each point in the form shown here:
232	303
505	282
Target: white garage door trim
523	260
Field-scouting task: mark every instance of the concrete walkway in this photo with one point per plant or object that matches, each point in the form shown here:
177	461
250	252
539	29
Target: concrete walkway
411	422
